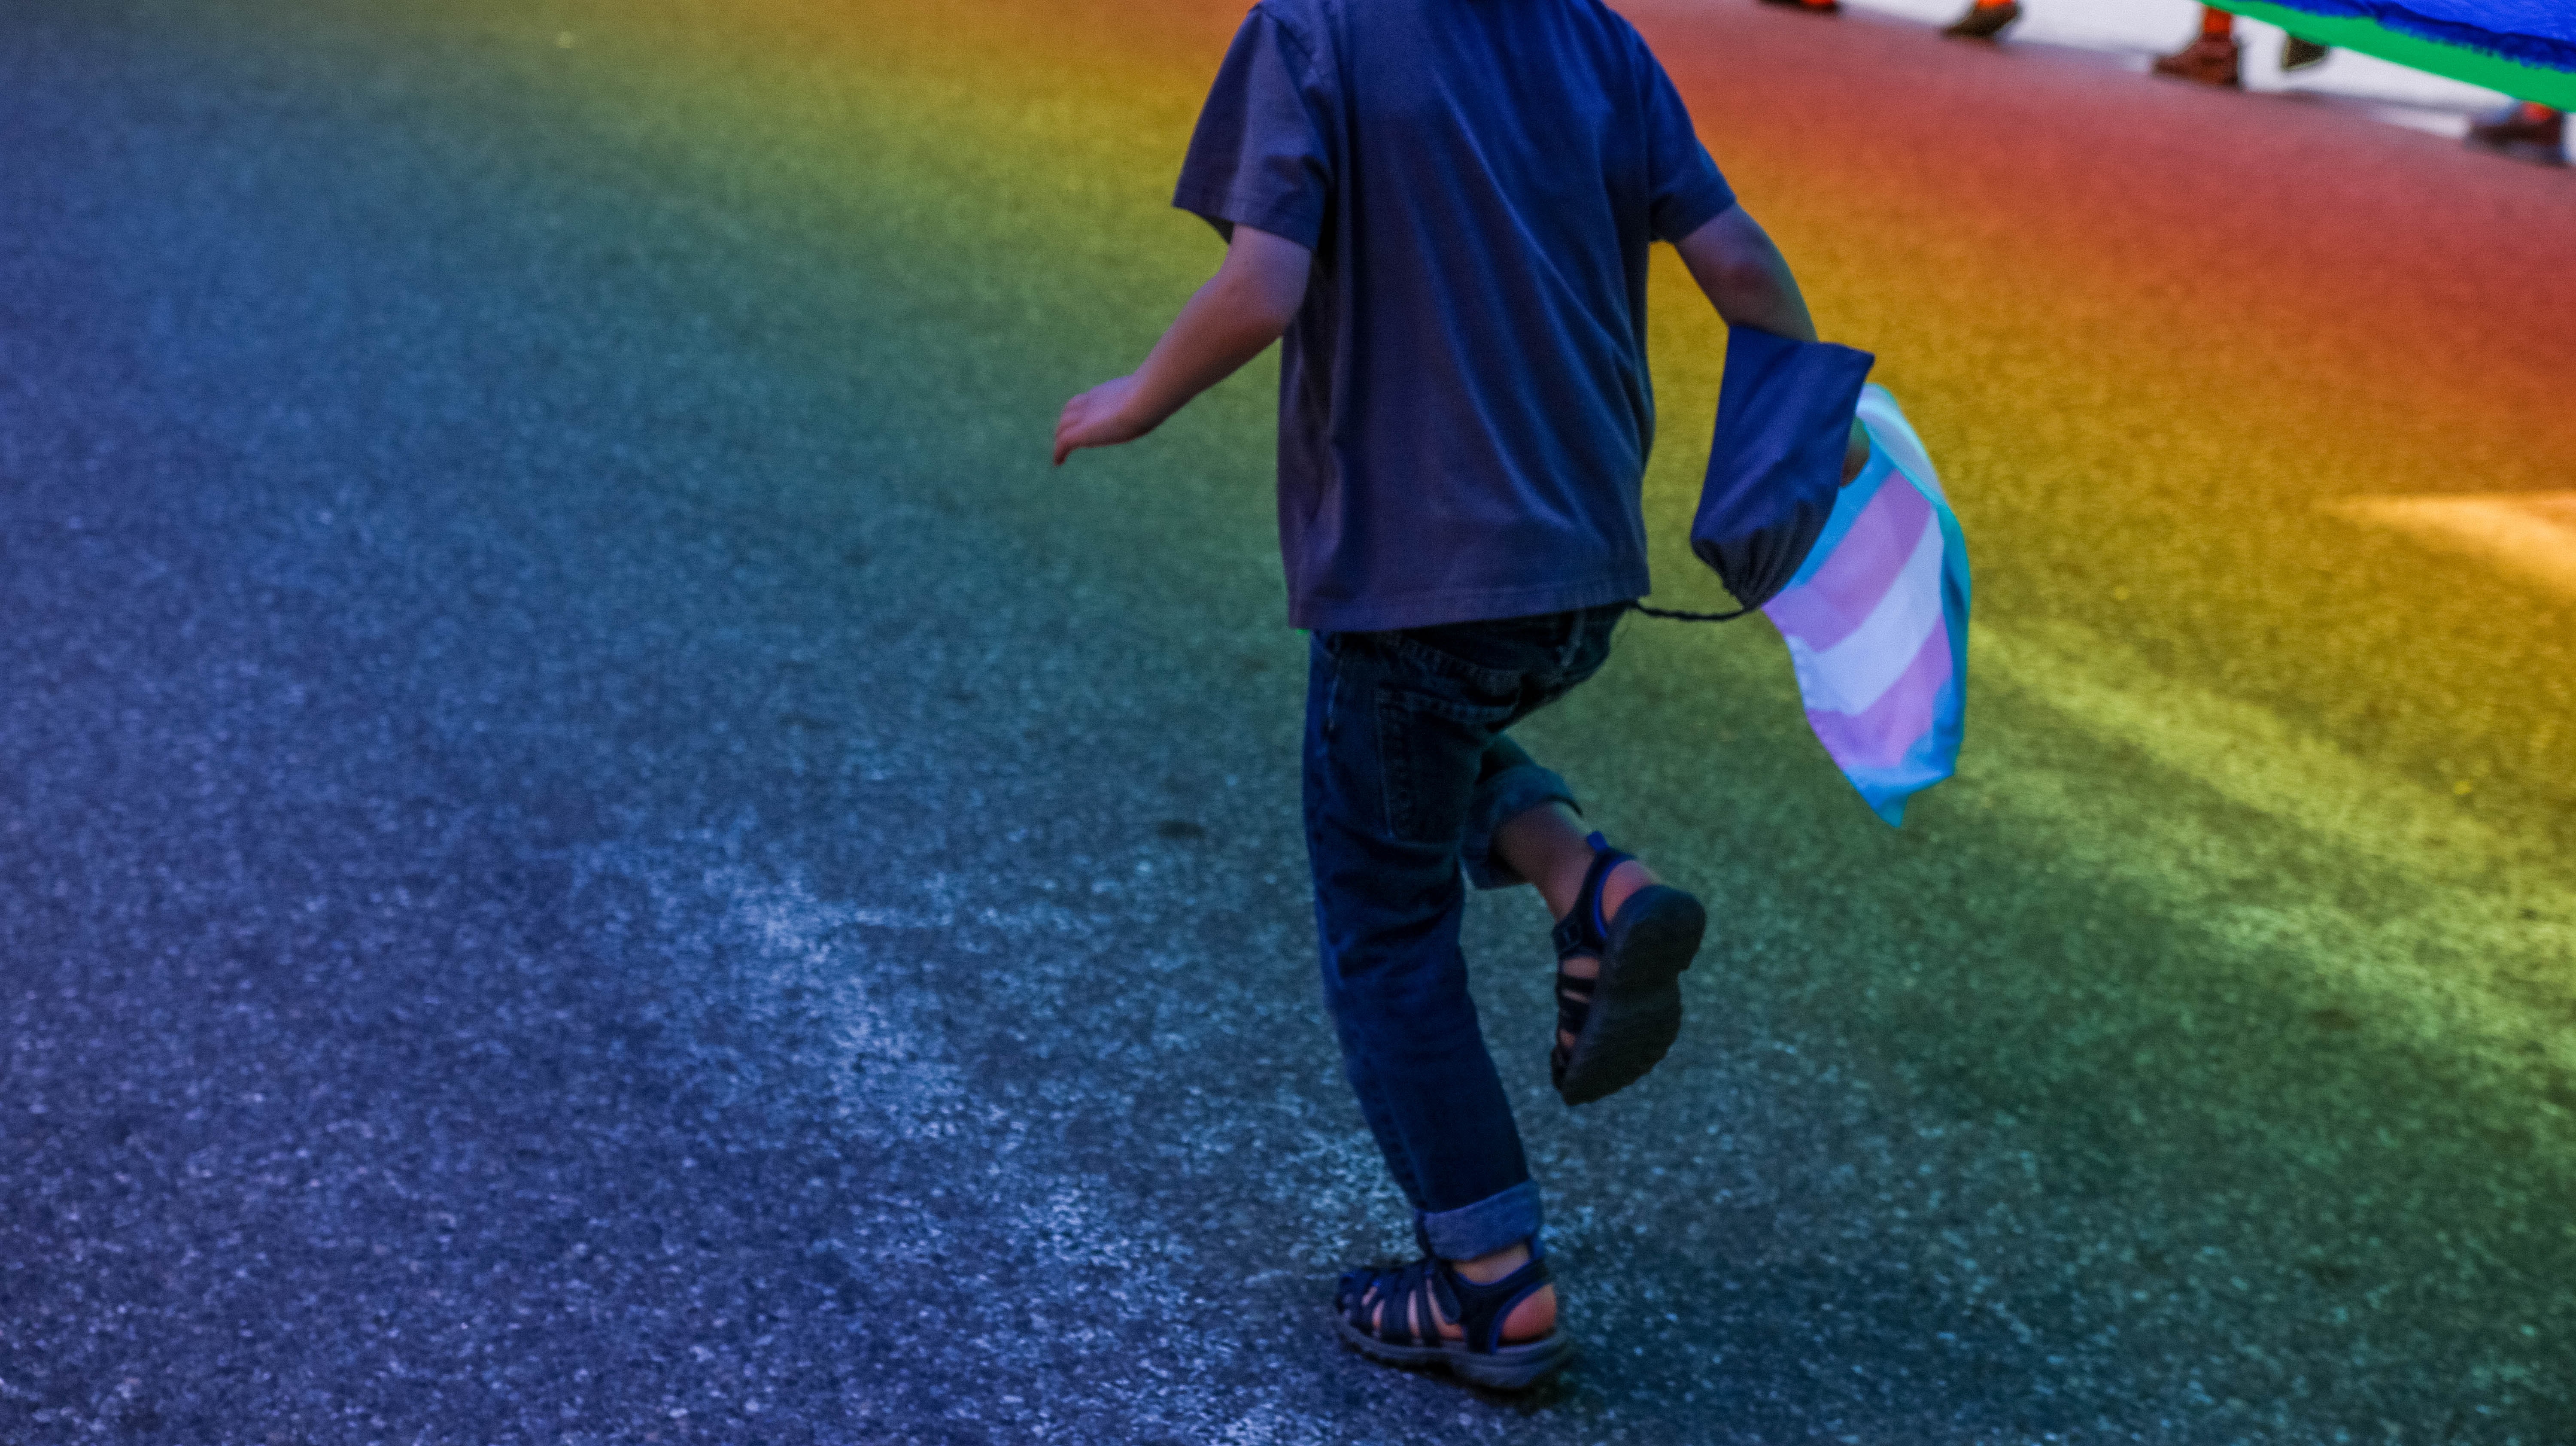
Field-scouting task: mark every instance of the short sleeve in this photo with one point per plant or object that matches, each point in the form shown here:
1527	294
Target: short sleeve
1684	185
1259	157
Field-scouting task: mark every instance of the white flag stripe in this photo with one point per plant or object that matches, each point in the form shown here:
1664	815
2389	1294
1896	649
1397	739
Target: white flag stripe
1857	671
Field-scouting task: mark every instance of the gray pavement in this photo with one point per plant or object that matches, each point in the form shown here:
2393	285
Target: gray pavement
587	854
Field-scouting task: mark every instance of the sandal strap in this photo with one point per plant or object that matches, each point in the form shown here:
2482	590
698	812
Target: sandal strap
1392	1294
1573	1011
1574	1001
1479	1310
1584	930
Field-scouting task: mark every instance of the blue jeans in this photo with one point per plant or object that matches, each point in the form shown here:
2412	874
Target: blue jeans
1408	775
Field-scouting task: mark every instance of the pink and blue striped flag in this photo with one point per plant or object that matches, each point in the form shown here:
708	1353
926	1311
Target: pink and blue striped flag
1876	620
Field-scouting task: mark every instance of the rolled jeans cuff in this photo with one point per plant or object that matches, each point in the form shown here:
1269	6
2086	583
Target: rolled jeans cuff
1493	1223
1497	801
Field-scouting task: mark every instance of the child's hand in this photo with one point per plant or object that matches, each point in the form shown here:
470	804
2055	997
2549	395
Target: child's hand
1102	417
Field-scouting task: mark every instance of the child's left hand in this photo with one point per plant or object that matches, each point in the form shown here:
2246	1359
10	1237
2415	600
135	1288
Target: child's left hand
1102	417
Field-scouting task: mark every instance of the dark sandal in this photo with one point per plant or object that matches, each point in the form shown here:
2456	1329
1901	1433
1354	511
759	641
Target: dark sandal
1480	1356
1624	1021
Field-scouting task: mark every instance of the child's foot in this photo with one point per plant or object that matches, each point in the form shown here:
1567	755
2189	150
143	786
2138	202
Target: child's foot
1533	1317
1620	950
1622	883
1491	1320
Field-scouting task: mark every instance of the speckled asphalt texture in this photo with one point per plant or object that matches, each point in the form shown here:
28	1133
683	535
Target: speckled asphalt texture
592	850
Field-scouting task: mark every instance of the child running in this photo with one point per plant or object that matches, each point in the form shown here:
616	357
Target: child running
1445	208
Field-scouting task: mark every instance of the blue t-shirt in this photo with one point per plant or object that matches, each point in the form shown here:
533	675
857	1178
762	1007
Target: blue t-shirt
1464	410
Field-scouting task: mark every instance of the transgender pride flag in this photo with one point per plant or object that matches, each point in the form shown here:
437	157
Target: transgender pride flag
1877	621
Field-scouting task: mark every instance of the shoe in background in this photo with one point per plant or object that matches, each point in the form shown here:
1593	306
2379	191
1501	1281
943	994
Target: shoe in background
2526	133
2297	54
2210	60
1983	21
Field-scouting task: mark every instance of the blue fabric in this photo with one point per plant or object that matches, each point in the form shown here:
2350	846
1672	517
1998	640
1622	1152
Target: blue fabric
1464	405
1496	1222
1405	755
2535	32
1775	461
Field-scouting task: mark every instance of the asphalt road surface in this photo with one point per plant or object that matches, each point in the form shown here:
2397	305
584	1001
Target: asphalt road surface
594	850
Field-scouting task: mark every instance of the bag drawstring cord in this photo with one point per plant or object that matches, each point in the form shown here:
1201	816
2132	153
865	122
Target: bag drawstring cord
1690	617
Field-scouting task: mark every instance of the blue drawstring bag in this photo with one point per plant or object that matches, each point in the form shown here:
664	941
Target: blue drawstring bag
1784	415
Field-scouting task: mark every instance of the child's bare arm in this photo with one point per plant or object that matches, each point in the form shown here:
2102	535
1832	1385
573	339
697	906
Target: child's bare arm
1747	279
1241	310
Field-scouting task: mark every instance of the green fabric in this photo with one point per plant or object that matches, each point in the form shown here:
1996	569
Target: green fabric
2459	62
